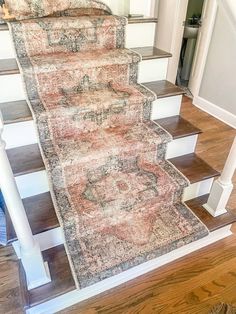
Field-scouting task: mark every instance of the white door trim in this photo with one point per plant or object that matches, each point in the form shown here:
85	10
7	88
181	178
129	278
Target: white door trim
203	43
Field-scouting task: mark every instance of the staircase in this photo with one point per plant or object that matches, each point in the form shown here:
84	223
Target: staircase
29	170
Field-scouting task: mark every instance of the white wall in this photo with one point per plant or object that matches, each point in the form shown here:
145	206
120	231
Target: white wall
219	79
123	7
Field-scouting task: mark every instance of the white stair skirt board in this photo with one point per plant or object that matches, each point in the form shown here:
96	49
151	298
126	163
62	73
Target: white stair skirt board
7	50
32	184
166	107
181	146
11	88
76	296
46	240
197	189
153	70
20	134
140	35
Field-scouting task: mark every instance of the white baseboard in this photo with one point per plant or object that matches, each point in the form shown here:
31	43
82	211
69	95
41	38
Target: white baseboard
76	296
217	112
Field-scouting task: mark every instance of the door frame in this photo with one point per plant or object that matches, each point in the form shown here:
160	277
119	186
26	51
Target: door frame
170	35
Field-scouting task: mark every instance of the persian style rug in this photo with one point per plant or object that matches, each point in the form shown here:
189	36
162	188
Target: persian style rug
223	308
117	199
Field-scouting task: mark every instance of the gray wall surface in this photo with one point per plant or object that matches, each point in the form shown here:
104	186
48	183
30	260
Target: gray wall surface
219	79
194	7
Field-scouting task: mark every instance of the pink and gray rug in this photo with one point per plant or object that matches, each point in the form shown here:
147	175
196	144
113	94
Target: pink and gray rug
117	198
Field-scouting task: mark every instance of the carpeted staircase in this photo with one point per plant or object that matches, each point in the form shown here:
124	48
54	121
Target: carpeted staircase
117	198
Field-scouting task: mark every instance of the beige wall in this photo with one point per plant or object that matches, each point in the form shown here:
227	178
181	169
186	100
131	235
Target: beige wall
219	79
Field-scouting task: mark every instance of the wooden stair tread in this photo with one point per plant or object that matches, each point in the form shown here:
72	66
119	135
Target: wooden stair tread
144	19
164	88
15	111
194	168
41	215
178	127
149	53
25	159
212	223
62	279
3	27
8	67
18	111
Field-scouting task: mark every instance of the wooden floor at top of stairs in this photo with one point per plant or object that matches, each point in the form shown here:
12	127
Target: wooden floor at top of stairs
62	280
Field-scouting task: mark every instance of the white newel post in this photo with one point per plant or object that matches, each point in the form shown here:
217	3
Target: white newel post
36	270
222	188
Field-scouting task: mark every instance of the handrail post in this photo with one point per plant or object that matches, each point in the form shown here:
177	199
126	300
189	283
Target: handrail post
222	188
36	270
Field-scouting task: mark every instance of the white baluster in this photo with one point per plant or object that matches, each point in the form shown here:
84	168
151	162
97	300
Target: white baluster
36	270
222	188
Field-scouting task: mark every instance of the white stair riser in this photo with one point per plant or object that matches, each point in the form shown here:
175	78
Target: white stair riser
137	35
153	70
198	189
37	183
12	87
182	146
140	35
24	133
32	184
166	107
7	50
20	134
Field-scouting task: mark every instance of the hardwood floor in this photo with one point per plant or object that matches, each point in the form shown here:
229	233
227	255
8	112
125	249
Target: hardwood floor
191	285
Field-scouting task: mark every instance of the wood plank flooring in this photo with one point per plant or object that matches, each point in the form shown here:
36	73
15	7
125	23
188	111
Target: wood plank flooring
191	285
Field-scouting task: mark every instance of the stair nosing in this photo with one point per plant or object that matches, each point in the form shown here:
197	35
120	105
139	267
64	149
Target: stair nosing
182	135
202	200
4	26
16	70
142	20
206	177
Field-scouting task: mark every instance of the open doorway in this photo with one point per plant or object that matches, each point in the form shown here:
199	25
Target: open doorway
188	48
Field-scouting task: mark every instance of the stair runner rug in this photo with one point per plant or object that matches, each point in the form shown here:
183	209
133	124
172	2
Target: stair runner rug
117	199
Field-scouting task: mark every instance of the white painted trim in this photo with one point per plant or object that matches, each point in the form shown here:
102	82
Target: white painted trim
76	296
140	35
46	240
202	47
214	110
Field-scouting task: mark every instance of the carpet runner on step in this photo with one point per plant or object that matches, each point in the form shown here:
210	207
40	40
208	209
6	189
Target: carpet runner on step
117	199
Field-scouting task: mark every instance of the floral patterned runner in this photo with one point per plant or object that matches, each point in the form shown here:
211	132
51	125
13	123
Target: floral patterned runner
117	199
